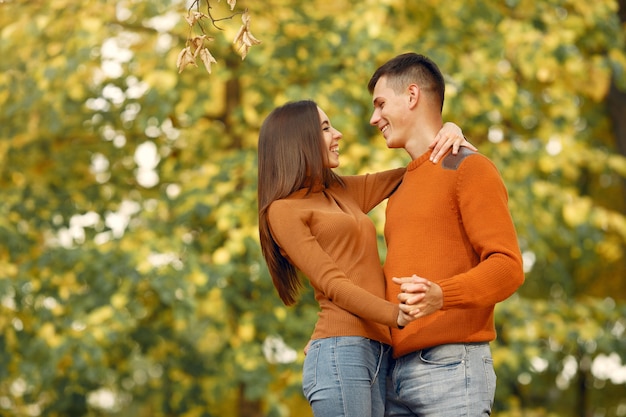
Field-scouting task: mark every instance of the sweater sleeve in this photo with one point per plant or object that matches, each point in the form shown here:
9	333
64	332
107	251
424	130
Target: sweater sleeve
370	190
482	202
292	234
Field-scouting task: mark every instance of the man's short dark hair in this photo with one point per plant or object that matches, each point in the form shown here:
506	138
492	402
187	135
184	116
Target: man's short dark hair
411	68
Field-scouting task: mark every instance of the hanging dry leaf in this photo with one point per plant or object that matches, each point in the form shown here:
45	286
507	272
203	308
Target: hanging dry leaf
193	17
197	43
185	57
207	59
244	38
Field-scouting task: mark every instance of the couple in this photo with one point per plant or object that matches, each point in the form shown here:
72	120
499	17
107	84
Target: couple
452	253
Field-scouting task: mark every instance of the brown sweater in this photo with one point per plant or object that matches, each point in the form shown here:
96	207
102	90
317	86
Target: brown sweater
450	223
329	237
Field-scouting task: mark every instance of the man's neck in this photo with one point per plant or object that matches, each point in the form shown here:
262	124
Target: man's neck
421	141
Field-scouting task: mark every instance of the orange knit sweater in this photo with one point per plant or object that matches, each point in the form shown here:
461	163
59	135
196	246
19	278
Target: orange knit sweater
329	237
450	223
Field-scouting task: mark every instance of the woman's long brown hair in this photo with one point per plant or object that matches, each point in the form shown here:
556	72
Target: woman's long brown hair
291	156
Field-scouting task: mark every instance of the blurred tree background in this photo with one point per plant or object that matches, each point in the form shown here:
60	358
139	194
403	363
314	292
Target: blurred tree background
131	280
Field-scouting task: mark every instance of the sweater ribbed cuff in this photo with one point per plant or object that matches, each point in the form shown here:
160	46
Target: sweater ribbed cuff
452	293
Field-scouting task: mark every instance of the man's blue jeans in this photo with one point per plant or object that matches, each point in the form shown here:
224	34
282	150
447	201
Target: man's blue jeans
456	380
346	377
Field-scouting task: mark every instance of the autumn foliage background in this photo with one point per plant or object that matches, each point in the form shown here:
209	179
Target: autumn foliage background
131	279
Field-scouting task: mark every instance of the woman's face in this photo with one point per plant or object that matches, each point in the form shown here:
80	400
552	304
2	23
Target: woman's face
331	140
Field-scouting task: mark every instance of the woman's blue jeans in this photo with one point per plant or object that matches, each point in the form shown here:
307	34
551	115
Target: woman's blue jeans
455	380
346	377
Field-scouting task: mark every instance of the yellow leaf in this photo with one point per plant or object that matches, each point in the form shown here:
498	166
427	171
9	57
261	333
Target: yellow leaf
76	92
280	313
119	300
577	212
48	333
100	315
221	256
161	80
598	80
247	362
246	332
198	278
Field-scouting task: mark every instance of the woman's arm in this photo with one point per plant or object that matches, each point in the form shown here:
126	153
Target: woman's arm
293	235
369	190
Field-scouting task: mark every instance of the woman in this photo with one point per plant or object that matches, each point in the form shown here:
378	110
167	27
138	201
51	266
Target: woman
315	221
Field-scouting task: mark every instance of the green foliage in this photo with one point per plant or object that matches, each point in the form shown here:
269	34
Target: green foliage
131	281
548	350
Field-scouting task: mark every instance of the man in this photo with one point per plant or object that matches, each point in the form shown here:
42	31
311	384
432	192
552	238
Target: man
451	241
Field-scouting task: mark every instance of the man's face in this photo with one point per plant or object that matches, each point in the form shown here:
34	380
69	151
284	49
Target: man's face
391	113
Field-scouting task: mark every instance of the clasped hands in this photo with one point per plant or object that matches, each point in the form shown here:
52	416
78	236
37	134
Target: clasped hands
419	297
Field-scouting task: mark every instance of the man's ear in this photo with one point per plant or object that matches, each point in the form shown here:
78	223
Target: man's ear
413	92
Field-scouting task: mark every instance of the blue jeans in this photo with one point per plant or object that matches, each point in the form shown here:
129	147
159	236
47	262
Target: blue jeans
456	380
346	377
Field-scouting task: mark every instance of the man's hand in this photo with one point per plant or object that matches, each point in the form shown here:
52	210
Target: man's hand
419	297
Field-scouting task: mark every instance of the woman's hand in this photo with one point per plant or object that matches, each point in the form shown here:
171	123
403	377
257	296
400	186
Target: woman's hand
404	317
450	136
